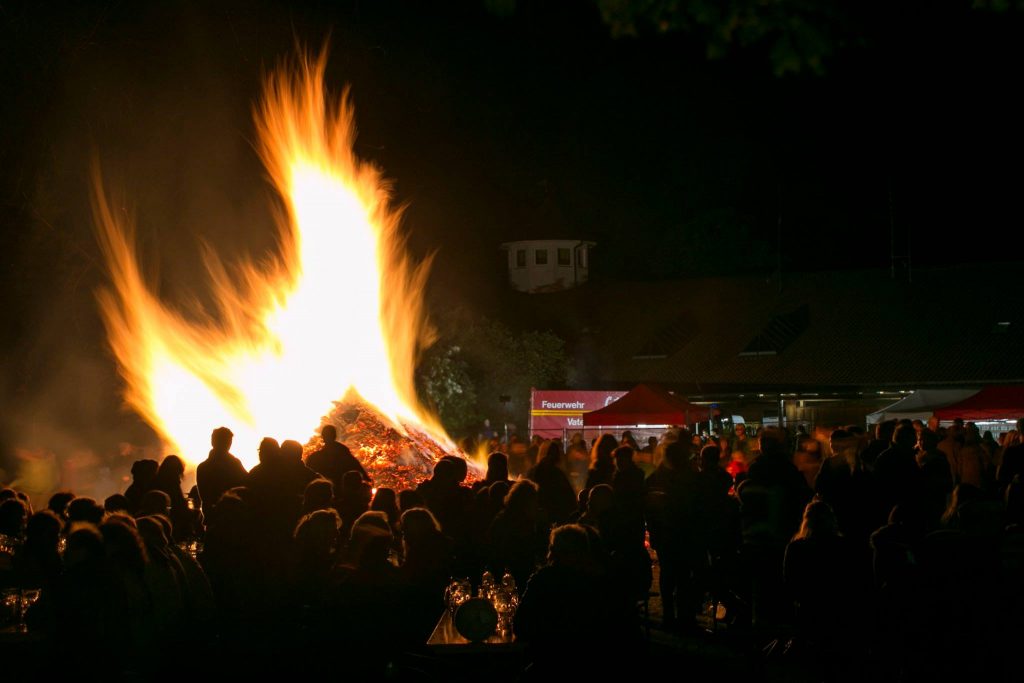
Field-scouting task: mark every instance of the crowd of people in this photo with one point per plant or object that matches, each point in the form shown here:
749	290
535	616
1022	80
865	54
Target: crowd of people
894	555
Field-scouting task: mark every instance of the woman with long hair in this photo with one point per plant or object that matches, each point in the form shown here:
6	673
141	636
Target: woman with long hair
556	495
516	537
168	479
602	464
826	578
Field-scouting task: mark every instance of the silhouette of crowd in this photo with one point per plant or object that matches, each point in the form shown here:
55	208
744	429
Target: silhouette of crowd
897	555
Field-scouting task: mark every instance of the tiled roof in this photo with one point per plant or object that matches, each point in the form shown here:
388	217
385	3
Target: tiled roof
846	328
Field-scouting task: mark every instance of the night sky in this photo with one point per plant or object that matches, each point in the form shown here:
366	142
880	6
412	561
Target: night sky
496	121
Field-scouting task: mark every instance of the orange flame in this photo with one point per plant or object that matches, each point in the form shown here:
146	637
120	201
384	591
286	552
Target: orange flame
338	307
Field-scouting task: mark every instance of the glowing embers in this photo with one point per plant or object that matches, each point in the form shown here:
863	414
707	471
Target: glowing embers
392	458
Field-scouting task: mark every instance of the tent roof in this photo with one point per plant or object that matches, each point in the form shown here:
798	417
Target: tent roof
991	403
920	405
643	404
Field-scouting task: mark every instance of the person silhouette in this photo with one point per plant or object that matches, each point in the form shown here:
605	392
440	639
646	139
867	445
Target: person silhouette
220	472
334	459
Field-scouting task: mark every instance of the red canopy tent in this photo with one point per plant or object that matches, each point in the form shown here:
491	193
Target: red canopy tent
644	404
991	403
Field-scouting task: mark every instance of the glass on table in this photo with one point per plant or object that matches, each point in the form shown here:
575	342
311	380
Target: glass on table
29	597
11	601
9	545
16	602
459	590
502	603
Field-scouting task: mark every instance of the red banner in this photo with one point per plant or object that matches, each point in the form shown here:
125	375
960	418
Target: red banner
553	412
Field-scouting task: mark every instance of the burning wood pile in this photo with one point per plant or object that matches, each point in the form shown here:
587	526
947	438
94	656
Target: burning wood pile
392	459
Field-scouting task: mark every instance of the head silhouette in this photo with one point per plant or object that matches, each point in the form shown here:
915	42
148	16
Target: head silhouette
569	546
601	499
152	532
819	520
172	469
905	435
709	457
928	440
269	451
329	434
291	451
85	510
884	430
85	546
461	469
601	453
550	452
445	472
318	532
370	539
677	454
143	471
351	483
419	524
115	503
385	500
13	517
59	501
319	495
522	497
497	466
221	439
43	530
623	456
155	502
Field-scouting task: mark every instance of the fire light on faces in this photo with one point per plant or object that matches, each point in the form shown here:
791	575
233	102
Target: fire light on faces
335	313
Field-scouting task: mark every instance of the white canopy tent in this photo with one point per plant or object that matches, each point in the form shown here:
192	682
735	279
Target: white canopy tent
920	405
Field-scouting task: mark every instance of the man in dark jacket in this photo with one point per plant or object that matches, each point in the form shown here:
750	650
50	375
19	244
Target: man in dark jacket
219	472
334	459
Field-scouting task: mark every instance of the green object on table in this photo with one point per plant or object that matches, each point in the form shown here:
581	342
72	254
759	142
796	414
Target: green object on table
476	620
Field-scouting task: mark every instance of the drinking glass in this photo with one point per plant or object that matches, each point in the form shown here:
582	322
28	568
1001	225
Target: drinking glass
20	600
12	605
29	597
456	594
503	605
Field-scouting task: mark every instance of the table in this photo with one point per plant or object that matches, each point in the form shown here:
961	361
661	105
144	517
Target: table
450	657
446	639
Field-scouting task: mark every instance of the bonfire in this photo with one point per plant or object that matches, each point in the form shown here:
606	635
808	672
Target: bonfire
275	355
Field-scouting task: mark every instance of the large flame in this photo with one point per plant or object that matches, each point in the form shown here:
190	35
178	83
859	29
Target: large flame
338	307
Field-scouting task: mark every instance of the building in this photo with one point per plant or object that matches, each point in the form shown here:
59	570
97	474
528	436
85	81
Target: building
536	266
824	348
